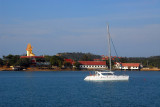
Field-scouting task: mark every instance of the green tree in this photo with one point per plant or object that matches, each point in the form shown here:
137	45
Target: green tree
25	62
56	61
67	64
86	58
48	58
77	65
60	63
1	62
11	59
123	60
78	55
112	63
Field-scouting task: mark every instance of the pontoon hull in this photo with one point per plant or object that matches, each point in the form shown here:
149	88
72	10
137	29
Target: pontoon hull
106	78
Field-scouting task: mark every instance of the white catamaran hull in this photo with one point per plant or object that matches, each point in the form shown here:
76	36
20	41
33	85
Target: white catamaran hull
106	78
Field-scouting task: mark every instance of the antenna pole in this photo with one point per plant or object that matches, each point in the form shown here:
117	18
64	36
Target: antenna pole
109	48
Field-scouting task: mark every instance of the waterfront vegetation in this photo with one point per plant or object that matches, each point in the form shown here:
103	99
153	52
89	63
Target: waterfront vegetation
78	56
150	62
58	60
55	60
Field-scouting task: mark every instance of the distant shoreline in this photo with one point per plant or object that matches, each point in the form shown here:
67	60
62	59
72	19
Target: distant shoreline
68	69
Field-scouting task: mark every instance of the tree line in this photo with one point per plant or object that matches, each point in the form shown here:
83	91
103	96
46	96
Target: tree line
14	60
152	61
79	56
55	60
58	60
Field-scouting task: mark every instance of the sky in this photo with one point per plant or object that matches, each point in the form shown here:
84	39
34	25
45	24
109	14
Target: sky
55	26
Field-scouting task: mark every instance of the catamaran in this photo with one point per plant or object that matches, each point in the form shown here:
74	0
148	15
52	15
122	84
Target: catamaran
106	75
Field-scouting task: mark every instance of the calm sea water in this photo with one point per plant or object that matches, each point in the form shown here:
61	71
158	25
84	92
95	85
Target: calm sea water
58	89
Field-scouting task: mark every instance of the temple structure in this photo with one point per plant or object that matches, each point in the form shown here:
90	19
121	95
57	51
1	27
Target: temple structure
30	54
29	50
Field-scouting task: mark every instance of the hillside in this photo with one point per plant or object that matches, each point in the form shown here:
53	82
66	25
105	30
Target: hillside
79	56
152	61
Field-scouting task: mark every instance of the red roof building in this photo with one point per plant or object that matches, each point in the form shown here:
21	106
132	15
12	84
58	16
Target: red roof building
69	61
92	62
128	66
32	57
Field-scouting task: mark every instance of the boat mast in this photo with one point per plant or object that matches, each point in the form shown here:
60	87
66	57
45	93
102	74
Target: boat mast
109	48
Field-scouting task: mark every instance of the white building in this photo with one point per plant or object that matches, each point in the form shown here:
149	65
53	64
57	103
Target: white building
128	66
93	64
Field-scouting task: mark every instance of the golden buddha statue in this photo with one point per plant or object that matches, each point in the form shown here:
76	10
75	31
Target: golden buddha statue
29	50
